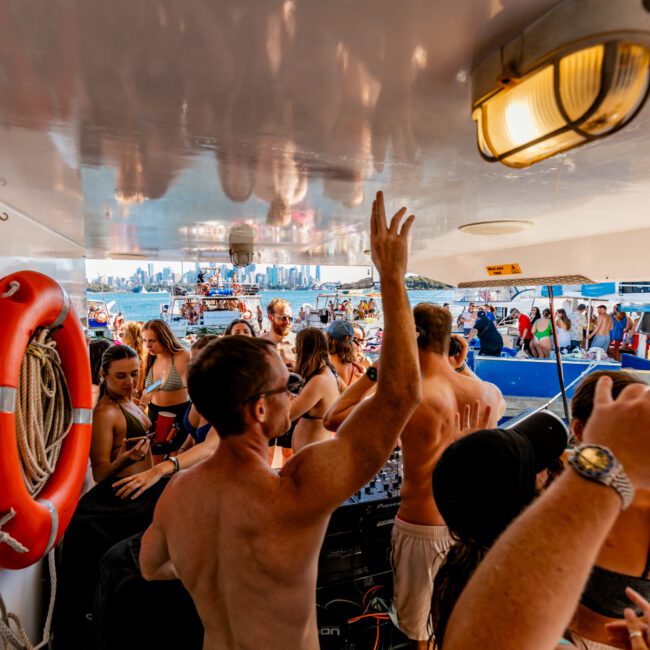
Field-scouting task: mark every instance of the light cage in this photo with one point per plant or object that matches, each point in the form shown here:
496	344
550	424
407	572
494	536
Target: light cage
564	102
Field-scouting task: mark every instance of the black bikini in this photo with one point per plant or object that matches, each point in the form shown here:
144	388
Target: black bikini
605	590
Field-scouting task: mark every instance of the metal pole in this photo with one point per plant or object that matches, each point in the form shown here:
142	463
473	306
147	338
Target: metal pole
588	326
558	355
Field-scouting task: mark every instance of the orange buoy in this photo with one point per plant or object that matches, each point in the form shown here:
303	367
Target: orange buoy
29	301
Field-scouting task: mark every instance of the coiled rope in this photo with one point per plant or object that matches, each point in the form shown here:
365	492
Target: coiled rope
43	412
43	420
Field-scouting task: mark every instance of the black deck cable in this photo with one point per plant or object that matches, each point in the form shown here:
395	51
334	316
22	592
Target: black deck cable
558	356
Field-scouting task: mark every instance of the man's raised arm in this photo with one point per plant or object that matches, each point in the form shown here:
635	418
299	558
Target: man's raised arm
329	472
525	591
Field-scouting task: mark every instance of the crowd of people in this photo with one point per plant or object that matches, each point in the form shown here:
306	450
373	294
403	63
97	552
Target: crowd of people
504	538
612	333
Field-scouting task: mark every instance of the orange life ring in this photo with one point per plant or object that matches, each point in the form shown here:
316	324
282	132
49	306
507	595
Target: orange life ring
29	300
204	289
247	314
101	316
236	288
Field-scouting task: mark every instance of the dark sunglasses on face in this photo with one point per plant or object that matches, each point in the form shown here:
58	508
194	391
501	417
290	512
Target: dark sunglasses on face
283	317
293	386
358	342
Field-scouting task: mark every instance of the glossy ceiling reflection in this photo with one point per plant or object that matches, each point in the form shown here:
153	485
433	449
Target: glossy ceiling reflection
173	120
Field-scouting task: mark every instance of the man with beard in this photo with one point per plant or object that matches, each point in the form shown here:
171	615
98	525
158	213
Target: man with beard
280	316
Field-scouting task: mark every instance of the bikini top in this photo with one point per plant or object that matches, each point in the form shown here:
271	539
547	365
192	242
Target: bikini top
605	590
173	382
134	426
198	433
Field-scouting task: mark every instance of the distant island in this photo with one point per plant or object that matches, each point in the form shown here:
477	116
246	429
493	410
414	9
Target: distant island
420	282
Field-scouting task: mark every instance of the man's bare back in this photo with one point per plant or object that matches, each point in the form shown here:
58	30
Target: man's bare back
445	394
245	539
260	556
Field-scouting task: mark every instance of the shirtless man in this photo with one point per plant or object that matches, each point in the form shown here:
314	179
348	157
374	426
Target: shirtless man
420	537
247	548
604	325
280	316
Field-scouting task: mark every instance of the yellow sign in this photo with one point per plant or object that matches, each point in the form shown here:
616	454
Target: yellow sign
503	269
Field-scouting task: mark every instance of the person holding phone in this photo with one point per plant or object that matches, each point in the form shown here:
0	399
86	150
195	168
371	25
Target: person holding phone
120	448
167	363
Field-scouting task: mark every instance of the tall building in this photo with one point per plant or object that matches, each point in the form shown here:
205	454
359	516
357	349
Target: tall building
318	273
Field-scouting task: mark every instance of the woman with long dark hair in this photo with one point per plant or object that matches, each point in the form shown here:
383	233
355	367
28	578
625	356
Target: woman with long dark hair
201	443
481	483
321	388
240	327
563	327
96	349
117	420
119	449
167	363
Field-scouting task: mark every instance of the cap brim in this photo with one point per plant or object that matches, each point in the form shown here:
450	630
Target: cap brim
548	435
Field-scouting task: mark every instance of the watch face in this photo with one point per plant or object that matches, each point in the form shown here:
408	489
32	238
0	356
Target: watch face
594	461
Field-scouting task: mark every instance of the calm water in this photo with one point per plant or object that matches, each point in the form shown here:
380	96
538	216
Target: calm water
144	306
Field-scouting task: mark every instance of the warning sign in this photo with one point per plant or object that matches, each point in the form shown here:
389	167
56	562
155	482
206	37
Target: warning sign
503	269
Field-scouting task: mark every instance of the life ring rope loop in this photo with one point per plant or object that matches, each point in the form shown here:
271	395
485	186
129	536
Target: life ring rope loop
33	303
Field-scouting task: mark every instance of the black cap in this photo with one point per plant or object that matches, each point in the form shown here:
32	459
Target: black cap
485	479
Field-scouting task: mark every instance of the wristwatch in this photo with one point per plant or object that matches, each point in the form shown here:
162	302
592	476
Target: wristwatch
371	373
597	463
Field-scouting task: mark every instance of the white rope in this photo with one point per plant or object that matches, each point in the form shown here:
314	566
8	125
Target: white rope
43	412
14	285
12	631
43	419
6	538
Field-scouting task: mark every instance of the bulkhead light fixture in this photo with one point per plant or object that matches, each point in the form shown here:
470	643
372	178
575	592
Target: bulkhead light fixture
589	84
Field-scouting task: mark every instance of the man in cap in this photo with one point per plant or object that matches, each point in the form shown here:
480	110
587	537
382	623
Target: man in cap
480	484
525	591
488	335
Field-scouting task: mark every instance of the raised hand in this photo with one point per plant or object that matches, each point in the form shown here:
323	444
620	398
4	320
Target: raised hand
623	425
472	418
389	244
632	632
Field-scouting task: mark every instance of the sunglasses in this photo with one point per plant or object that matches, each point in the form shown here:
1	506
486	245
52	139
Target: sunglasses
283	317
359	342
293	386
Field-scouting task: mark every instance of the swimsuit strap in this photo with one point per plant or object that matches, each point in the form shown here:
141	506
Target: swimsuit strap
149	378
134	426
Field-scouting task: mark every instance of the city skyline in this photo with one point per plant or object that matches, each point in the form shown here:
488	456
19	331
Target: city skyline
126	268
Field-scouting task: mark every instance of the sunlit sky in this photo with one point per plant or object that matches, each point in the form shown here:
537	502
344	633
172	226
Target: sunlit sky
125	268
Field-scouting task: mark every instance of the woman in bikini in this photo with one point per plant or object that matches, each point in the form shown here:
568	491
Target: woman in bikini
167	362
340	343
540	345
320	392
119	449
200	444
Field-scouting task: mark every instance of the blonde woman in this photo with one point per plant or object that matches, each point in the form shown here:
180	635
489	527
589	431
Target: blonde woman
165	382
132	336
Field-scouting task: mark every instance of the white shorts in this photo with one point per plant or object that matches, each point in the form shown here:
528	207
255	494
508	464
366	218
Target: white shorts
418	552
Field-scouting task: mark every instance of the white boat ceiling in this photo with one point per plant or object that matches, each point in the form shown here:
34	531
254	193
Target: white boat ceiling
146	129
